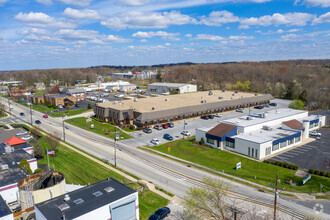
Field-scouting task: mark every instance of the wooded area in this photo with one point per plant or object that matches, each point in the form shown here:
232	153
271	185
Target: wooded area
307	80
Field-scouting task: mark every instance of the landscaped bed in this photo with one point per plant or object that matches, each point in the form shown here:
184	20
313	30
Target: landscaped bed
251	170
99	128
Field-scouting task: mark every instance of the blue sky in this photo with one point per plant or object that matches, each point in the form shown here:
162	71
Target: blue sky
40	34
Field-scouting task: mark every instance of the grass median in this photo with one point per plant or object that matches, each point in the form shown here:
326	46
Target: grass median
251	170
81	170
68	113
99	128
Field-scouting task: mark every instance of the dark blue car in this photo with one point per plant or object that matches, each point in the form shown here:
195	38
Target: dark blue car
38	122
168	137
21	114
160	214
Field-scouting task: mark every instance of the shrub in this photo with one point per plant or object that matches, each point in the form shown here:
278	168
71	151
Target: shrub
317	172
295	167
286	165
311	171
281	164
132	127
277	163
290	166
266	161
328	174
273	162
24	164
38	170
89	106
323	173
202	141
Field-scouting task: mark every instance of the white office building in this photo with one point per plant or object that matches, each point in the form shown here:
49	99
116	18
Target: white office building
172	87
260	135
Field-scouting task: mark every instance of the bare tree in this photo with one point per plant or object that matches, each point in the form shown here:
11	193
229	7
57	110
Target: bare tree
53	140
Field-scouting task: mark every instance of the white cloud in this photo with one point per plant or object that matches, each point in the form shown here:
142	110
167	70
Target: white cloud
322	19
208	37
2	2
80	3
133	2
241	37
138	19
42	20
322	3
188	35
279	31
70	34
144	40
81	14
298	19
254	1
150	34
168	44
217	18
45	2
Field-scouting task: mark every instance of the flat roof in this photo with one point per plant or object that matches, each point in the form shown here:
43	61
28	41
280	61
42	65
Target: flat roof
270	115
50	208
262	136
161	103
175	85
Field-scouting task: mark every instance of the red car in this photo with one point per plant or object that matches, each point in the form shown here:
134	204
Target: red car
165	126
45	116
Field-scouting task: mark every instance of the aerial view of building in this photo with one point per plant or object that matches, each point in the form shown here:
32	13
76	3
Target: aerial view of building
176	88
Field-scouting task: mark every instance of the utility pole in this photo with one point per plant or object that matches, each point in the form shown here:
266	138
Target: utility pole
184	128
31	112
9	106
63	127
115	146
276	193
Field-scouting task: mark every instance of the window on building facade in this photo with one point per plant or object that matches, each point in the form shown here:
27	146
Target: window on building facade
252	152
283	144
268	151
291	141
297	139
275	147
230	144
256	153
60	100
209	140
249	151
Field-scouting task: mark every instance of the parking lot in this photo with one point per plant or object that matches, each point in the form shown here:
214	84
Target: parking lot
315	154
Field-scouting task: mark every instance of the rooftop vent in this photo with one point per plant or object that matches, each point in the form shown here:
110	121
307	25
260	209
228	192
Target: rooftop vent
166	100
135	100
203	101
4	167
109	189
78	201
63	207
66	198
223	90
152	108
97	193
233	94
210	92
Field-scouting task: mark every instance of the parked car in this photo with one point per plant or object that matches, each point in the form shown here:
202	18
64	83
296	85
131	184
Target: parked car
273	104
27	137
38	122
239	110
155	141
185	133
21	133
160	214
211	116
147	130
205	117
165	126
267	106
315	133
21	114
170	125
168	137
158	127
119	96
258	107
217	115
45	116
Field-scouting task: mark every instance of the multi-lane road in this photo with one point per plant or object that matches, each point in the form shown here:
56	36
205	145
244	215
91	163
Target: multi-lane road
168	174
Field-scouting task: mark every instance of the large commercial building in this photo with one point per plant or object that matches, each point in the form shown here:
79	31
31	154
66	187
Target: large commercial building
261	135
172	87
107	199
148	110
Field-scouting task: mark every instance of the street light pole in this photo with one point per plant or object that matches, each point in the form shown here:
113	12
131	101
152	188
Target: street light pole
115	146
9	106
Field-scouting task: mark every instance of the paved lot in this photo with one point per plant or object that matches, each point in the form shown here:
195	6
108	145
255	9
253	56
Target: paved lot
142	139
314	155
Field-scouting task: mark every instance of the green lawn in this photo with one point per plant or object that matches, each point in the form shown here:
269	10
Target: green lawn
261	173
99	128
81	170
68	113
39	92
42	108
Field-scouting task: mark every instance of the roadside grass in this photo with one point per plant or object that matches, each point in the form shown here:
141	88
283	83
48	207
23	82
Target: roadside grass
68	113
81	170
99	128
323	197
39	92
253	171
128	130
42	108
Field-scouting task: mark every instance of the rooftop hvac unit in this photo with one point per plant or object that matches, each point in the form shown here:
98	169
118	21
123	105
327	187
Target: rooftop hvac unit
135	100
233	94
166	100
66	198
267	128
152	108
203	101
9	149
4	167
220	97
248	118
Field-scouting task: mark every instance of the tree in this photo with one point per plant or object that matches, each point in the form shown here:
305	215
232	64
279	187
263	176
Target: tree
38	170
89	106
35	132
279	90
38	149
24	164
293	91
159	76
297	104
208	202
53	141
303	96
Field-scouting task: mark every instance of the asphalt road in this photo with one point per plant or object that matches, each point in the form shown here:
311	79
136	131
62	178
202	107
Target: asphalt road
168	174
